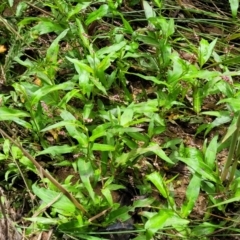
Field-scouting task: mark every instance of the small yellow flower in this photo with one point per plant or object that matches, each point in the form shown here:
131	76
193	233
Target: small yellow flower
2	49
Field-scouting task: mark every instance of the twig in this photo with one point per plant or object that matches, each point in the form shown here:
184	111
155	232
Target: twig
45	173
9	27
47	206
39	9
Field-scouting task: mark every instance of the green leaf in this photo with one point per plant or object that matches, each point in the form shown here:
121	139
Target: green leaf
99	85
28	20
158	221
76	9
160	153
126	117
149	106
231	61
87	110
166	27
130	156
234	199
6	147
73	131
80	65
121	214
231	129
138	136
43	220
201	168
120	130
225	87
149	12
99	131
57	150
8	114
217	122
211	189
106	191
204	229
16	152
147	40
102	147
110	49
86	172
10	2
52	52
88	237
197	97
104	64
126	24
158	182
27	163
68	97
21	8
233	102
216	113
82	34
177	222
149	78
84	73
98	14
179	66
58	200
130	143
73	123
195	73
142	203
192	193
36	96
234	4
159	3
46	26
205	50
211	153
3	156
107	194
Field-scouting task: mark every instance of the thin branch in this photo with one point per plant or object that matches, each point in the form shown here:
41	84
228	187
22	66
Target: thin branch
45	173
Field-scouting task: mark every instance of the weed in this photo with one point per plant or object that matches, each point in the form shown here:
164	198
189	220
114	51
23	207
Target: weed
110	115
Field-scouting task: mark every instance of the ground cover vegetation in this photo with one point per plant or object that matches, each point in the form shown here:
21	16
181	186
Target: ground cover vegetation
119	119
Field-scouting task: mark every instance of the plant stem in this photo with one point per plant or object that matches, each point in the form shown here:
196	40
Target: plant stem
235	160
232	160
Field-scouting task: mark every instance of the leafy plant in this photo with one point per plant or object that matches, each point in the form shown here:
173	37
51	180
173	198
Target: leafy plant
114	115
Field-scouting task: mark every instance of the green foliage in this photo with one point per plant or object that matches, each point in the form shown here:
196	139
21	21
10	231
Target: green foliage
111	95
234	7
